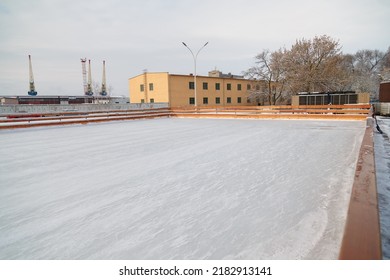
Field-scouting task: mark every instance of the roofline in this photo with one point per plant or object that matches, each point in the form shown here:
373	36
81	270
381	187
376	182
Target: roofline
48	96
189	75
148	73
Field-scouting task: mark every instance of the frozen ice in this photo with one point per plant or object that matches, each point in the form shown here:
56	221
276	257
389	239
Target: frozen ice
382	164
177	189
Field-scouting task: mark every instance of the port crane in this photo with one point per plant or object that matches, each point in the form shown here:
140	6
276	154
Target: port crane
104	90
32	90
89	91
84	71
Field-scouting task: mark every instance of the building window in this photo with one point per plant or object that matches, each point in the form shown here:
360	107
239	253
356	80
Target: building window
205	100
192	100
248	100
142	87
229	100
142	100
151	100
205	86
191	85
217	86
238	99
238	86
229	86
151	86
248	86
217	100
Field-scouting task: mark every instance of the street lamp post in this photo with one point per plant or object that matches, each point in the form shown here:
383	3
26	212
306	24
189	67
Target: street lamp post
195	57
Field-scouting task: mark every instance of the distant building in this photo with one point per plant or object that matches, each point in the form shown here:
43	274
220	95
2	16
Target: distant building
41	100
219	74
217	89
63	100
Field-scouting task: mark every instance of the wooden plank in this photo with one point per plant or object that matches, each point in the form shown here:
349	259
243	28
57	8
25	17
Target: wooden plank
271	116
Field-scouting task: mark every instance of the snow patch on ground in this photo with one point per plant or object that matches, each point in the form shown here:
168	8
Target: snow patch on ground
177	189
382	164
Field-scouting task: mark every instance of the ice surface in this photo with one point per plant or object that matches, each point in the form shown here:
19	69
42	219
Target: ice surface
177	189
382	164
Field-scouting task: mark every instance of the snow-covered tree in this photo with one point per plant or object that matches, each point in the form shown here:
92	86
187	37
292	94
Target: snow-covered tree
315	65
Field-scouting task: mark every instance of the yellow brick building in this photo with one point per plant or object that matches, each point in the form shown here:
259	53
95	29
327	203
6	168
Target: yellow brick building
217	89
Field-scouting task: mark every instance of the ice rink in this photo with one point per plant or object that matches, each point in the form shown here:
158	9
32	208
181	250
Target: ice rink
177	189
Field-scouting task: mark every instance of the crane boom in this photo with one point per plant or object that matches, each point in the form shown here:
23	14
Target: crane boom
104	91
84	72
32	85
89	85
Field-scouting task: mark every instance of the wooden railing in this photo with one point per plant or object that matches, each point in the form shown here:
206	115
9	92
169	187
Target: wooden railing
346	112
352	111
51	119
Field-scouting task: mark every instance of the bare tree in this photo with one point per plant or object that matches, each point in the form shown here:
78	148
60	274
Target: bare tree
385	72
95	87
268	78
368	69
110	89
369	61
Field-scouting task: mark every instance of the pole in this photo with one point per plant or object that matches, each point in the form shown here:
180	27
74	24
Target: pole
195	58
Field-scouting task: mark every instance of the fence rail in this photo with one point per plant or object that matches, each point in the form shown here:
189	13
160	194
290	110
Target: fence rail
352	111
344	112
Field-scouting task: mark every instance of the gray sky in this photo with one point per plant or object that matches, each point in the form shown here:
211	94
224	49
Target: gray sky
133	35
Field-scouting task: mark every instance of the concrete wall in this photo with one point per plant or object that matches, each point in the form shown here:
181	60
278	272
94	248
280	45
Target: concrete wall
10	109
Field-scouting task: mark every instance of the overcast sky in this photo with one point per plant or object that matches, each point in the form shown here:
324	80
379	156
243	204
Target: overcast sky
133	35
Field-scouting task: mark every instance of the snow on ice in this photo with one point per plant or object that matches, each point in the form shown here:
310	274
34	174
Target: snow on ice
177	189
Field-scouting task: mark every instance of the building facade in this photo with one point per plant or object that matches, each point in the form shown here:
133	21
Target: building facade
217	89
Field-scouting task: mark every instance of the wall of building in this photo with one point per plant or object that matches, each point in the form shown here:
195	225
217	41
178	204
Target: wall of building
149	88
363	97
210	90
384	92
